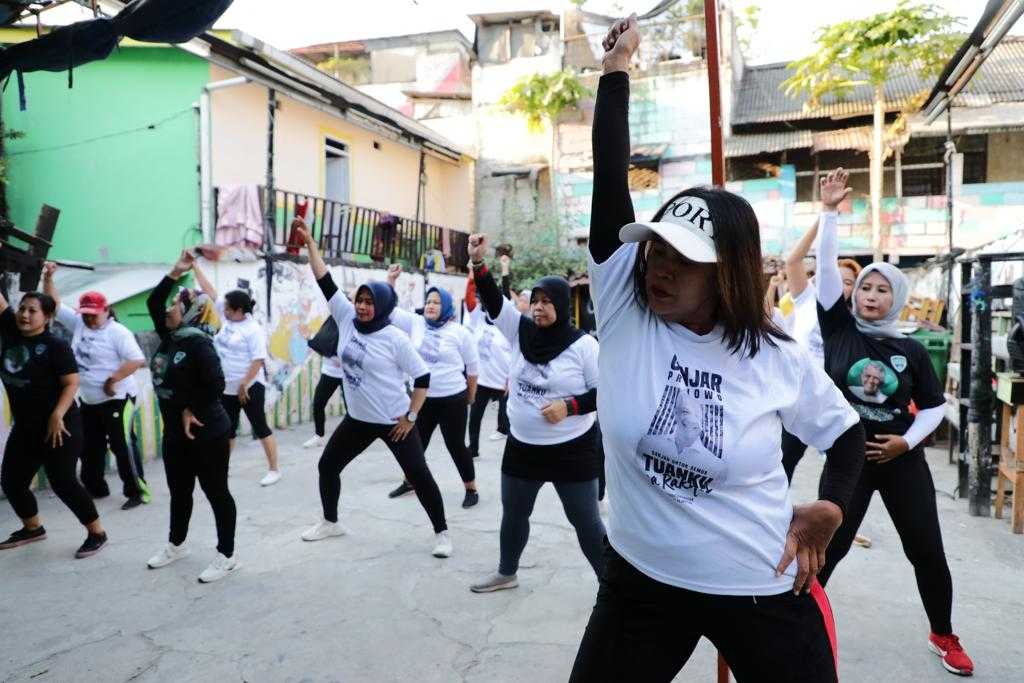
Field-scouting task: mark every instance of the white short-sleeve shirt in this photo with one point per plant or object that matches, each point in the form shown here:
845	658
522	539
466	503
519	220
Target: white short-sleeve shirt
494	351
804	324
238	344
374	366
450	352
533	386
99	354
692	435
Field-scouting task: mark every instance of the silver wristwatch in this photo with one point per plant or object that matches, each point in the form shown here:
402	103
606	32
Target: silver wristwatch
411	416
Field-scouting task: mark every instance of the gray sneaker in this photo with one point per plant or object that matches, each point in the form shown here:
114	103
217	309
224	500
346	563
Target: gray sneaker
495	582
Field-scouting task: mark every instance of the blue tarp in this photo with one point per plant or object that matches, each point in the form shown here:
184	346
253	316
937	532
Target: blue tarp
154	21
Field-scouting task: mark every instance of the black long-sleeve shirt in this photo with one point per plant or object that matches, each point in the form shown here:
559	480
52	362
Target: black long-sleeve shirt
611	206
186	374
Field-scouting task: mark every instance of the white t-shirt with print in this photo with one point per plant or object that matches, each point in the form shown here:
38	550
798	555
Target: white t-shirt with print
331	366
531	387
494	351
238	344
804	324
692	437
448	351
375	366
99	354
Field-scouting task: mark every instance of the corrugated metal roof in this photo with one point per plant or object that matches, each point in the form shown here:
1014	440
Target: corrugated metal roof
765	143
858	138
760	98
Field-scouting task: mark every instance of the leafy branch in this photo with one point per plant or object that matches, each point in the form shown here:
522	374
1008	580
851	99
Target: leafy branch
543	97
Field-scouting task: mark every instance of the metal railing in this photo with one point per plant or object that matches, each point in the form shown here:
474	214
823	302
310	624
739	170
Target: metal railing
359	235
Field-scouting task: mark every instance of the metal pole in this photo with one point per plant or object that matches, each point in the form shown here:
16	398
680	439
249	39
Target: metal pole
980	413
948	158
270	210
206	218
714	93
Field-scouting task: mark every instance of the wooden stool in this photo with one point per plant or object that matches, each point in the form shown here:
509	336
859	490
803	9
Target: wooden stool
1011	466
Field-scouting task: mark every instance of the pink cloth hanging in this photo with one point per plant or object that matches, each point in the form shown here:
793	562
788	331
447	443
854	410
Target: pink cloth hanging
239	218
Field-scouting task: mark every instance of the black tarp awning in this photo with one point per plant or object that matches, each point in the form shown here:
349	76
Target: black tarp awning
154	21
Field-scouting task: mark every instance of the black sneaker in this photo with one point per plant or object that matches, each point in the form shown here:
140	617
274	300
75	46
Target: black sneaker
92	545
403	488
23	537
133	502
471	499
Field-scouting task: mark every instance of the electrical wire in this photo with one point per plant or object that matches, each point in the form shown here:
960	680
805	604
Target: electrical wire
98	138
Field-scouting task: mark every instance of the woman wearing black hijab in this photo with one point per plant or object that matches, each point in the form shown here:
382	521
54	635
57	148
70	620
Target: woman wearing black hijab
376	358
552	399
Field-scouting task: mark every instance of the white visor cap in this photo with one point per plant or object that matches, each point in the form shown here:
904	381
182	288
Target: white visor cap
686	226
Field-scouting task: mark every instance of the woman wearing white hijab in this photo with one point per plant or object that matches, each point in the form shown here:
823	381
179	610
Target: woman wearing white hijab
880	371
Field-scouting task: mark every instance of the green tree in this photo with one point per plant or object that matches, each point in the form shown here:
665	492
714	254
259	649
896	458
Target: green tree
540	246
914	37
543	97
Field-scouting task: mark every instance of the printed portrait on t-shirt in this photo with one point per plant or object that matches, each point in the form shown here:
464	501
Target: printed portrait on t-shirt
430	348
16	358
872	381
533	382
352	357
682	455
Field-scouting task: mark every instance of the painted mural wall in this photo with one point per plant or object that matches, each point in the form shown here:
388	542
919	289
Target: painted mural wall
297	310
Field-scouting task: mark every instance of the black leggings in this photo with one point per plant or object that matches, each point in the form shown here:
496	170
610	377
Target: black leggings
908	493
107	425
184	462
255	411
448	412
644	630
484	395
579	500
351	438
325	388
27	451
793	450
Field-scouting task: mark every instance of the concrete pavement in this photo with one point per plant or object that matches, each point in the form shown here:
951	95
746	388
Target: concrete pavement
375	606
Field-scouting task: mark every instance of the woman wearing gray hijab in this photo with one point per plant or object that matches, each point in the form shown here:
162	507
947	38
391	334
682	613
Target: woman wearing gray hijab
881	371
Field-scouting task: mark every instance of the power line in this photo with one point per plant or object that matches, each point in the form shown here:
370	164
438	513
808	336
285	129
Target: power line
149	126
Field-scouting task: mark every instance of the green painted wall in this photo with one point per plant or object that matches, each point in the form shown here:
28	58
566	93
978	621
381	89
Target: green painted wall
125	197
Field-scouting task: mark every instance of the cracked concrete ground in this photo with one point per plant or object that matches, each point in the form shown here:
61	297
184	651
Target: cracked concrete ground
375	606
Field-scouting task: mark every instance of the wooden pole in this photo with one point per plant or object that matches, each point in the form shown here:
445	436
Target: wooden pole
714	92
717	151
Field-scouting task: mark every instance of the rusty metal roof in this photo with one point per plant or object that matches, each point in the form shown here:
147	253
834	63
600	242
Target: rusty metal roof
760	99
858	138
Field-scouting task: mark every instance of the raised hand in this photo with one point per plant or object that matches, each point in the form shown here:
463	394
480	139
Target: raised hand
184	263
834	189
49	268
477	247
394	271
301	231
620	44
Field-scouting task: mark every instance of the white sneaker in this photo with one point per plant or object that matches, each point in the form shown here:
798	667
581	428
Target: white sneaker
171	553
323	530
496	436
271	478
218	569
315	442
442	545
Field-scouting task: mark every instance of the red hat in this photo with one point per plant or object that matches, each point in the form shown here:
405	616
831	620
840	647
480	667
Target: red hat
92	303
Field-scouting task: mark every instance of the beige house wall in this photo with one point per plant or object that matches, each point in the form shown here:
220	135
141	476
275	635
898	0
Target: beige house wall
1005	152
384	179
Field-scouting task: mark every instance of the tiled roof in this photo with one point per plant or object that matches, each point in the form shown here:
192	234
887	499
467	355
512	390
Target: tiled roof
760	99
